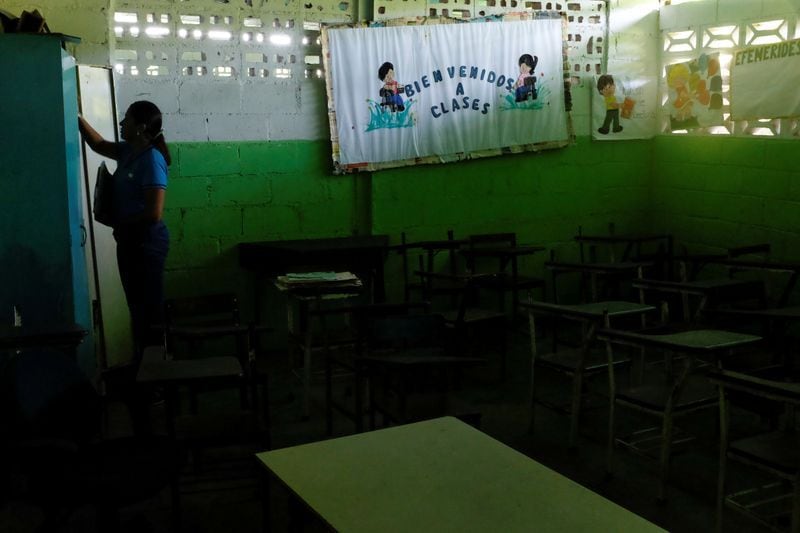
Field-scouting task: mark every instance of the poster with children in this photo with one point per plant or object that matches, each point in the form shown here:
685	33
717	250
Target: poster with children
411	94
695	93
624	104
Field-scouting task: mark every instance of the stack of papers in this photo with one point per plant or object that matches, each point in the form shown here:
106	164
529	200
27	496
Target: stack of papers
328	280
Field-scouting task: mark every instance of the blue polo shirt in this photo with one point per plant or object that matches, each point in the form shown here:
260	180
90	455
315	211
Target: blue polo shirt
134	174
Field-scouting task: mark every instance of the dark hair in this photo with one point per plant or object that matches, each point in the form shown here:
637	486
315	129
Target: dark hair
604	81
529	60
384	70
147	114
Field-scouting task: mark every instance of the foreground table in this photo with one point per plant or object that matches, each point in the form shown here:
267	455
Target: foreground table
438	475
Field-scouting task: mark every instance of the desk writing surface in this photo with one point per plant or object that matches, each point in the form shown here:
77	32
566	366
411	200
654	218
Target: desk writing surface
28	336
590	310
598	268
621	238
502	251
281	256
153	371
439	475
699	340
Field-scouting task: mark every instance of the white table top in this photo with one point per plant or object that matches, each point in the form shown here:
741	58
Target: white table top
440	475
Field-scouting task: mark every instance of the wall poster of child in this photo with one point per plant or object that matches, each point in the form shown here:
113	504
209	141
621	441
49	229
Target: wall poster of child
623	106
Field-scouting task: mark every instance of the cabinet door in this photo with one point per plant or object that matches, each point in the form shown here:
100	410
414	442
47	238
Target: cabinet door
41	225
98	107
79	238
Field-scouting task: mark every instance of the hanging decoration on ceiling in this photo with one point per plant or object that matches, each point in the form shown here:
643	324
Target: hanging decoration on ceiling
695	93
411	94
764	81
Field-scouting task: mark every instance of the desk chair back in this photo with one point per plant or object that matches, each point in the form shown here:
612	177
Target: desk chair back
505	267
202	310
774	451
408	372
423	256
404	332
369	330
193	320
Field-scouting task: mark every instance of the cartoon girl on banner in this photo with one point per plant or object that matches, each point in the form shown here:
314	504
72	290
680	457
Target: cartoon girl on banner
525	86
524	94
695	93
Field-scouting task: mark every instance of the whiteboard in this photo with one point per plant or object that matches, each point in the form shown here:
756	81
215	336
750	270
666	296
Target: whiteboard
97	105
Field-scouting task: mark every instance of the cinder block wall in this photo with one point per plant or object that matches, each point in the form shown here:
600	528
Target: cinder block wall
714	192
543	197
224	193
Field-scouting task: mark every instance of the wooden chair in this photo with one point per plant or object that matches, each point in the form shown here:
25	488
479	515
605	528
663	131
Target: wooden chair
699	296
422	255
502	247
404	358
581	363
776	452
680	391
473	329
604	281
342	363
193	321
220	424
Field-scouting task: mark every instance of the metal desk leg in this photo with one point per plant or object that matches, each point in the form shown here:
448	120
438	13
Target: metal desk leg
307	339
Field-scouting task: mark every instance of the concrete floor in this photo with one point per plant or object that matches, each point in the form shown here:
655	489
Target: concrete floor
225	503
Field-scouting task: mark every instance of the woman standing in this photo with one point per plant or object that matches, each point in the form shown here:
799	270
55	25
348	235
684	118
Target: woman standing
139	188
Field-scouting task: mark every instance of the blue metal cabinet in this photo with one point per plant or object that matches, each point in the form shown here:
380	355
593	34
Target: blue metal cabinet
42	261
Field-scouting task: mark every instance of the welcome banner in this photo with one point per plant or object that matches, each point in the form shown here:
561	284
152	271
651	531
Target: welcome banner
764	81
409	94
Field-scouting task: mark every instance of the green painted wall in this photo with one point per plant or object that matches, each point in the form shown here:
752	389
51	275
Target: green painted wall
715	192
221	194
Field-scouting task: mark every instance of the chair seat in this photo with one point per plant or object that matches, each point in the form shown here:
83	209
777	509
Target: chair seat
421	358
472	315
205	370
506	282
697	393
202	331
567	361
778	450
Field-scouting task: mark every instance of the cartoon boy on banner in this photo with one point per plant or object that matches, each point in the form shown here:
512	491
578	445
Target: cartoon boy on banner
390	111
695	93
390	92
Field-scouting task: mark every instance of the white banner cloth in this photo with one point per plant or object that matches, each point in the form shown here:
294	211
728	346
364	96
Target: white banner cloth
458	89
764	81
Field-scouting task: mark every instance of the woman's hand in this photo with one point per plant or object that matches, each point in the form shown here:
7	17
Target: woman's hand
96	141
